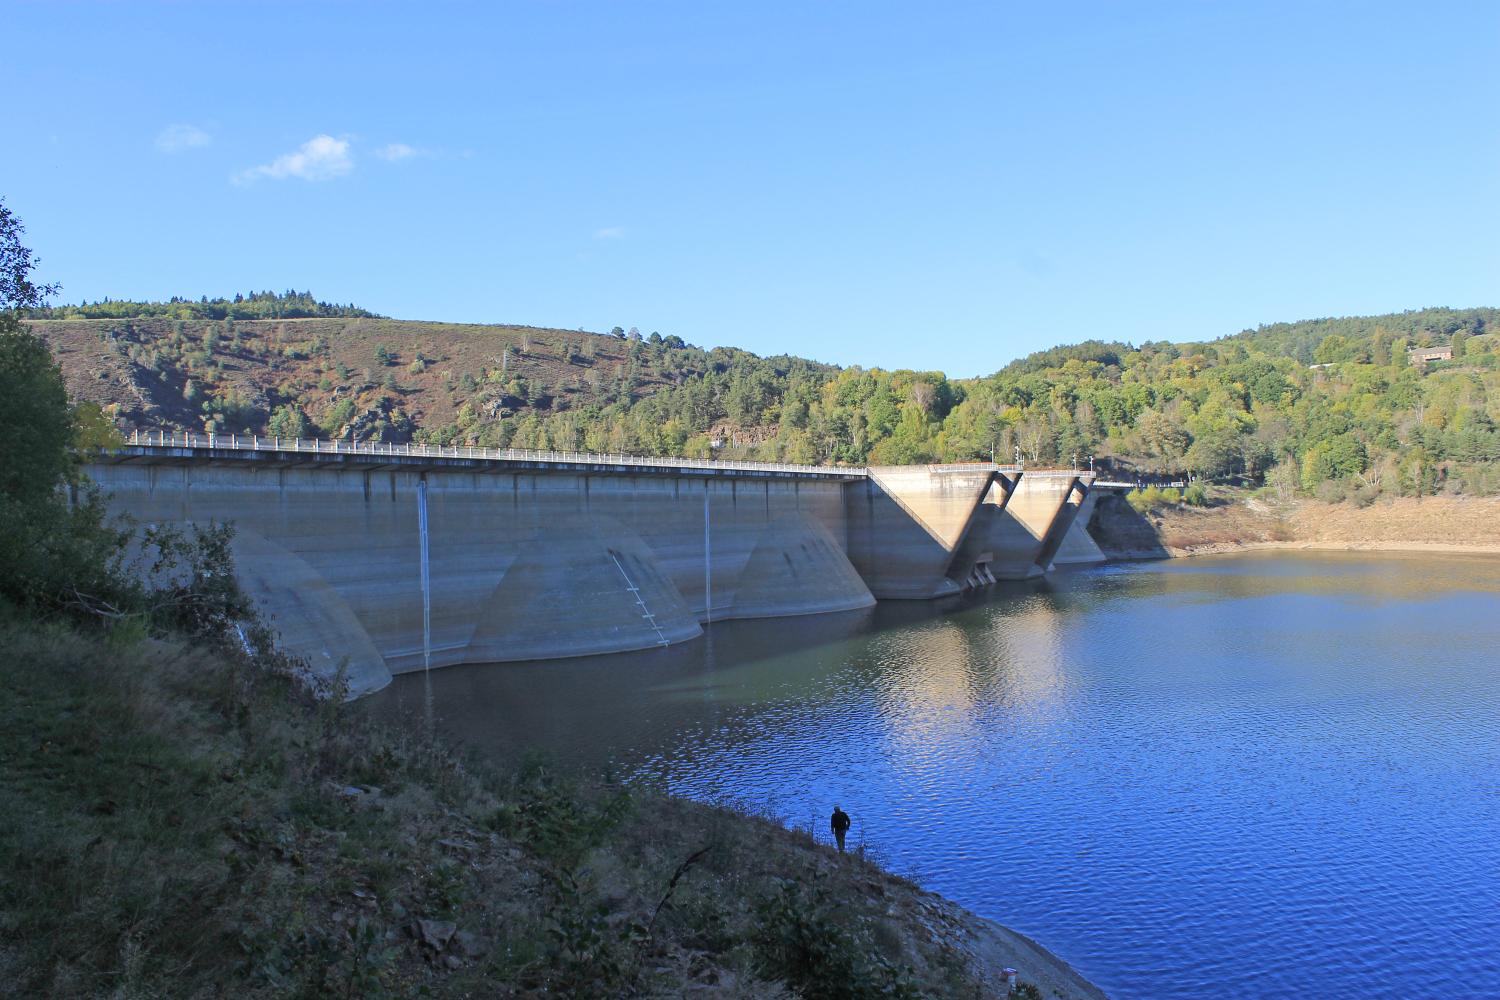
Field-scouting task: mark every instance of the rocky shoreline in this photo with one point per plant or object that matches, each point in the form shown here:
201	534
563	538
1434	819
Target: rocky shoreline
995	948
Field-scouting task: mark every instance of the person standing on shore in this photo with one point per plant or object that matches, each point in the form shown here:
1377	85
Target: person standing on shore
840	824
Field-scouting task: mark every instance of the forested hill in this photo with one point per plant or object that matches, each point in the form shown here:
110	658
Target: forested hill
1332	406
1369	339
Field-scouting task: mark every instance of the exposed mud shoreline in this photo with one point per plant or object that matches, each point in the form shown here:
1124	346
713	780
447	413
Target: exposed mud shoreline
1239	521
1218	548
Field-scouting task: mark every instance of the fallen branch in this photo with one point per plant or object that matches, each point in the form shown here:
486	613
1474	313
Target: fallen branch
682	870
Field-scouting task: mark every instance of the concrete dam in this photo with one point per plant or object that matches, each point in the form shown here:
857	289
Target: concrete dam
385	559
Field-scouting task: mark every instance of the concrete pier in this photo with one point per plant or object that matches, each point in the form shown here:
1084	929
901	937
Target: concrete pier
906	523
1020	524
381	562
1078	546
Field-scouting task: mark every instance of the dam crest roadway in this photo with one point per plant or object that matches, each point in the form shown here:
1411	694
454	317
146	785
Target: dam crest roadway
387	558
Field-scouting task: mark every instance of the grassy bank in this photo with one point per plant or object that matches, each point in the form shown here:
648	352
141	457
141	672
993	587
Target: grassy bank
175	821
1230	520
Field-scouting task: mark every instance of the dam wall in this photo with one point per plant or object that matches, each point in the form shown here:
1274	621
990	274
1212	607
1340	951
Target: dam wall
379	559
524	564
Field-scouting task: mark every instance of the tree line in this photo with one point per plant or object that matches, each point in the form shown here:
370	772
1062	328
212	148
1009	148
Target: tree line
290	304
1245	408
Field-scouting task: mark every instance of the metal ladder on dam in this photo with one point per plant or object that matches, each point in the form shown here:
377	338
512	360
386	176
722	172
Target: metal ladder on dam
661	638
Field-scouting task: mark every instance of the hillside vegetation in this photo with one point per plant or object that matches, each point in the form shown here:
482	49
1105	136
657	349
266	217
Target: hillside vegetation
394	380
1329	406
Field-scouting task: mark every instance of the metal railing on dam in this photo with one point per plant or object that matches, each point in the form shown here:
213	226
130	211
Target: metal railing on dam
157	442
151	443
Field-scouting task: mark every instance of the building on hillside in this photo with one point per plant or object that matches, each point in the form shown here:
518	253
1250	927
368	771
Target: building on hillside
1421	357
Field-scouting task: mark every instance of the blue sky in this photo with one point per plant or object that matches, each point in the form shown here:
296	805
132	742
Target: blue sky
903	185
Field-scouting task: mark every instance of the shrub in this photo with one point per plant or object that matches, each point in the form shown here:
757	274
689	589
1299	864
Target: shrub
1195	495
1144	500
1152	497
823	951
336	416
553	822
1332	491
232	409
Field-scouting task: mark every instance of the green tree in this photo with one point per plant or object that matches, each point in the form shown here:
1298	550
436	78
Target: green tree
337	416
287	421
1214	453
1333	349
1337	457
34	414
49	546
1165	439
17	290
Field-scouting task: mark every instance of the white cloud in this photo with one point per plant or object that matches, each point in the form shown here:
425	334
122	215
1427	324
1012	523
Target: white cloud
320	158
610	233
398	151
177	138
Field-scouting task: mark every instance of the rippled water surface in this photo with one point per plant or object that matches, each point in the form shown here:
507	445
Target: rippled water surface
1246	776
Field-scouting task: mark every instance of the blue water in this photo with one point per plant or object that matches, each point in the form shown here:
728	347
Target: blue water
1248	776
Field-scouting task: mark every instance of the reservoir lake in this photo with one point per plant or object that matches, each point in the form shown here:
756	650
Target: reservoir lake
1257	775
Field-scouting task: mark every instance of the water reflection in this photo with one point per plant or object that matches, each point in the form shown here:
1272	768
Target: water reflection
1165	772
590	710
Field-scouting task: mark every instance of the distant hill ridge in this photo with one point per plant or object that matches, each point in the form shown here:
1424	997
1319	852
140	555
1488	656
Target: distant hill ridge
1248	405
290	304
